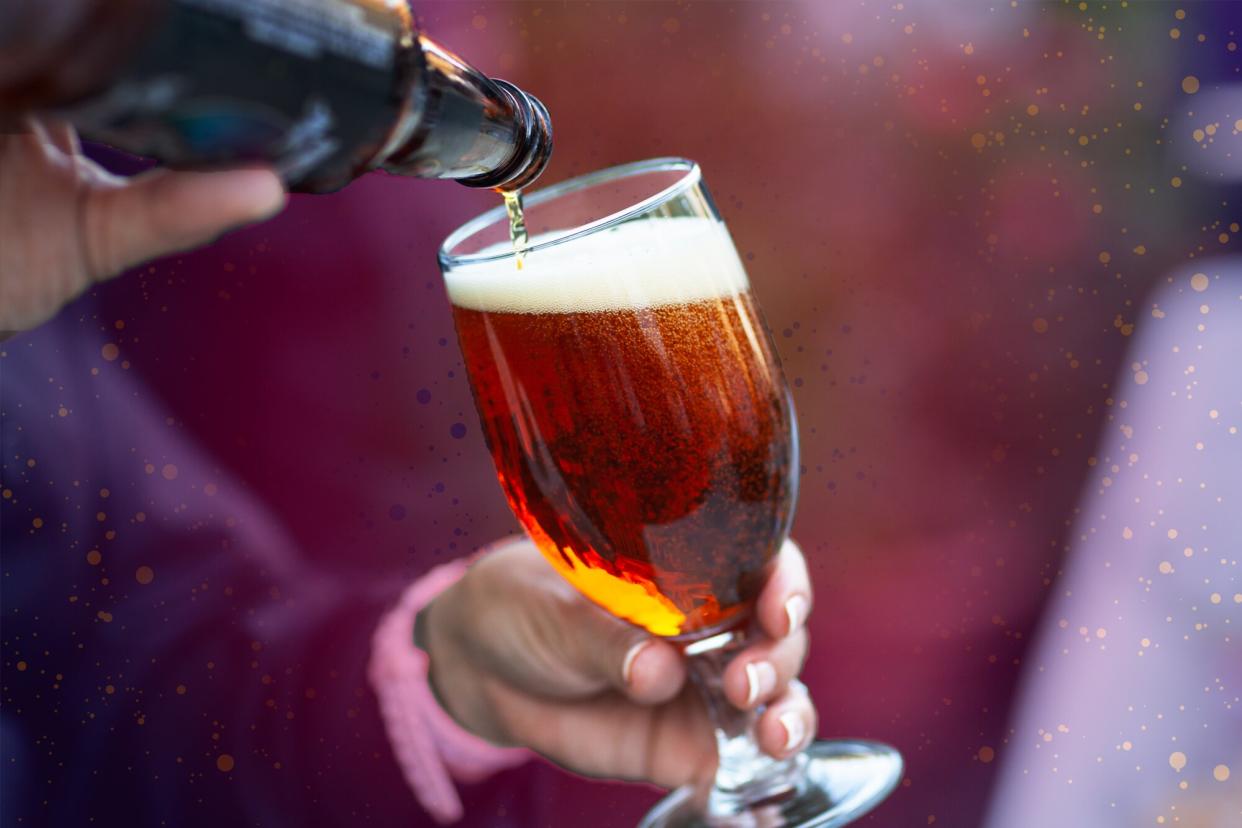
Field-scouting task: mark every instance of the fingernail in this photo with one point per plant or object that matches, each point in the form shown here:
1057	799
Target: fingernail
795	611
760	680
627	666
795	730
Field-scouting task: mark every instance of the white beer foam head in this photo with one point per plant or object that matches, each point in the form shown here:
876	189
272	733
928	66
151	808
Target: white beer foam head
639	264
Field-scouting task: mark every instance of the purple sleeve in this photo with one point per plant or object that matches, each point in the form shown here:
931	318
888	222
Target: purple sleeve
171	656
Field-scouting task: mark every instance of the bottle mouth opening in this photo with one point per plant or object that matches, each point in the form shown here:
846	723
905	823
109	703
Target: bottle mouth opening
572	209
533	152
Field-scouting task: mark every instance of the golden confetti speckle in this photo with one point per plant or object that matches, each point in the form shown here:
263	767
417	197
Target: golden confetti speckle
1175	33
104	493
1177	760
1032	110
978	140
1127	533
1220	773
210	489
1172	533
144	575
1101	633
93	557
1190	84
110	351
62	412
1140	377
105	617
1105	257
1165	567
169	471
479	22
37	523
1146	642
1175	181
1180	14
21	666
7	493
149	468
986	754
1199	282
1214	598
1040	325
224	762
180	689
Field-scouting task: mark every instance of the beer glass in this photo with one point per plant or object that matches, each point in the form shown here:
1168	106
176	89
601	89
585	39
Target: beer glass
644	436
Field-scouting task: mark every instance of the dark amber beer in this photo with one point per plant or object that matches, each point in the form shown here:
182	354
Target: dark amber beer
633	405
643	432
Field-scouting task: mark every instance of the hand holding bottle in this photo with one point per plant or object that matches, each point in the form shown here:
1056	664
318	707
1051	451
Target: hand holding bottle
66	223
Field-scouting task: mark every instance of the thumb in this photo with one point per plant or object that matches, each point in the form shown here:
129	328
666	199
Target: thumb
648	670
163	212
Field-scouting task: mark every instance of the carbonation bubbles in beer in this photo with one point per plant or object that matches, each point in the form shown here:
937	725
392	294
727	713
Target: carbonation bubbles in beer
633	406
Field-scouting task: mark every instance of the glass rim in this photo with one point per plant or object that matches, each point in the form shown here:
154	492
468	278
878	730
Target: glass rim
693	174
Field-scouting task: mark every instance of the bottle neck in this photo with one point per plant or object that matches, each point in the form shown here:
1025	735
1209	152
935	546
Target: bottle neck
459	124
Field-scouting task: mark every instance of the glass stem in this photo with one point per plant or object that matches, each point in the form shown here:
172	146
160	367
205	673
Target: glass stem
746	775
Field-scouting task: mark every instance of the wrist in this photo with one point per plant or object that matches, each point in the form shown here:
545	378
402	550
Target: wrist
448	663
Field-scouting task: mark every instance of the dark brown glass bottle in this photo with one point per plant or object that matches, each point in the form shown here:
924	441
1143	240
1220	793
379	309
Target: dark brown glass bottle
324	90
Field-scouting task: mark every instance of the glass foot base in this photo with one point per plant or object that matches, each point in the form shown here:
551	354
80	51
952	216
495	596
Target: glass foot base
843	780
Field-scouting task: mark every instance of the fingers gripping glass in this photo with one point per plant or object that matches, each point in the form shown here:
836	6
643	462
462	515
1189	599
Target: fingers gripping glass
645	438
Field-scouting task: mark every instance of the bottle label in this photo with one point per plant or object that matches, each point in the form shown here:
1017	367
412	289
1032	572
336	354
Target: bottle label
309	86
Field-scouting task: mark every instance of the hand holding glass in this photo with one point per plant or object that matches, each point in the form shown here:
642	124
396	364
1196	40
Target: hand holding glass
644	436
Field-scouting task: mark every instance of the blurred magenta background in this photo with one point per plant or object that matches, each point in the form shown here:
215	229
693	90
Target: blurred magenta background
950	213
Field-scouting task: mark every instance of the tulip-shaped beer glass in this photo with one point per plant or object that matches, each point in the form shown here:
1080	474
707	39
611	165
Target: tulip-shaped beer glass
644	435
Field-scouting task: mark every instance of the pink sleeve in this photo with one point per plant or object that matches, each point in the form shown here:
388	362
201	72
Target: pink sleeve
431	749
